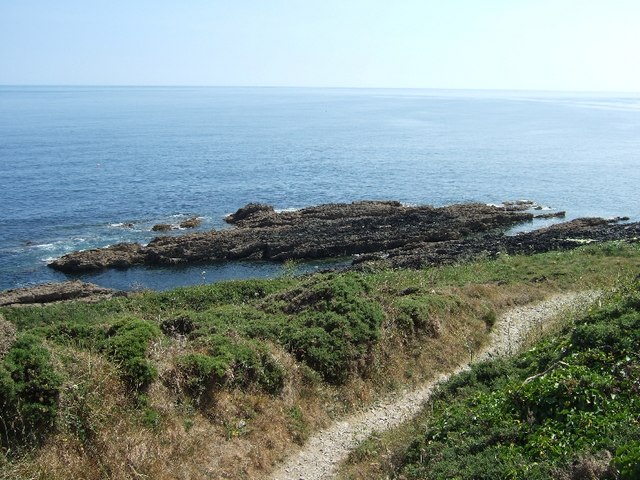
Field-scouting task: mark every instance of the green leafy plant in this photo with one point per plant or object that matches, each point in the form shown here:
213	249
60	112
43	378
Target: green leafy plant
230	362
29	393
126	342
335	326
627	460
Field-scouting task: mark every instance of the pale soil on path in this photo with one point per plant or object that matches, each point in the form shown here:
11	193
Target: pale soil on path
320	457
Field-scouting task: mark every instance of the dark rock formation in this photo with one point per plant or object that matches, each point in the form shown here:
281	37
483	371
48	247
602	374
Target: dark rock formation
561	214
562	236
323	231
56	292
121	255
161	227
388	232
193	222
251	210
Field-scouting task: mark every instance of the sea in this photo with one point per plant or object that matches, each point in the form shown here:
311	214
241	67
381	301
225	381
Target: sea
84	167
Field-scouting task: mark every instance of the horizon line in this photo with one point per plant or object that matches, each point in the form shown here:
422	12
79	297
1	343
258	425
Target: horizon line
306	87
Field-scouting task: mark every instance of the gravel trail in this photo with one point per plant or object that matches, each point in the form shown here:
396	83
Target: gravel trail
323	452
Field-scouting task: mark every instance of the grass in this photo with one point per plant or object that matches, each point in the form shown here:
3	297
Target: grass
570	406
223	380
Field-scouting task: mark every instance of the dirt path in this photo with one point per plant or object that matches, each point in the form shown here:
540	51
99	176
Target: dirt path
323	452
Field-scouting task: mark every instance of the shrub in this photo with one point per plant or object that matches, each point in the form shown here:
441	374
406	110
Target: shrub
329	353
29	392
297	425
415	316
627	460
224	318
230	362
178	326
200	371
7	336
335	324
127	341
79	334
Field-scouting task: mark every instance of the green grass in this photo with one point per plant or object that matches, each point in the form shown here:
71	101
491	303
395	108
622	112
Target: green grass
551	411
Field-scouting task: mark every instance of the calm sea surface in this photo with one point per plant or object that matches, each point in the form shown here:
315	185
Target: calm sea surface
78	163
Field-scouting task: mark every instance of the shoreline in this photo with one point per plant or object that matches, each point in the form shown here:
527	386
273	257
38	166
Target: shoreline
358	236
259	232
387	232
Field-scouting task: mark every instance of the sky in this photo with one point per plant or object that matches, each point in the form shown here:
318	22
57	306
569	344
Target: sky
562	45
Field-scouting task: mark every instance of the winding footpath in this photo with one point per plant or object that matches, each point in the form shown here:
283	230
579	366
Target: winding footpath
321	455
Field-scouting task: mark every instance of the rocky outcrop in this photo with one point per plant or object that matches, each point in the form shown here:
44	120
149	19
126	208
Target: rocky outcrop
121	255
323	231
56	292
251	210
193	222
388	232
560	214
562	236
162	227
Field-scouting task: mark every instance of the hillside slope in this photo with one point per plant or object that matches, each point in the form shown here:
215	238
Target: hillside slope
569	408
224	380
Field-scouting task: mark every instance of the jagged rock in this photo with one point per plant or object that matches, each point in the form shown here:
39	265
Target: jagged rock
251	211
389	232
56	292
561	236
162	227
323	231
120	255
521	204
193	222
561	214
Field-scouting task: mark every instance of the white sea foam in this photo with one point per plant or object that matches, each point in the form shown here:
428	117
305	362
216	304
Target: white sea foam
285	210
126	225
46	246
57	246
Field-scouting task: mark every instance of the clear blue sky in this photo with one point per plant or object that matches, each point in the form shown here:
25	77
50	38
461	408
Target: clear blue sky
495	44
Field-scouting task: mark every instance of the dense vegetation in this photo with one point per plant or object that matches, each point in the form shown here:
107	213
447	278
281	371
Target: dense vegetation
237	372
568	408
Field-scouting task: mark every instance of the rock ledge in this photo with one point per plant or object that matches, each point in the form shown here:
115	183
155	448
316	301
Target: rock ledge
323	231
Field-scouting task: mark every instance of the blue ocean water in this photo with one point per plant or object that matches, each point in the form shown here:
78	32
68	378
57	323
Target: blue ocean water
76	163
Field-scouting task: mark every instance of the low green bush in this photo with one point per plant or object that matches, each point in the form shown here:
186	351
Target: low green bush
29	392
415	314
200	371
127	340
236	362
627	460
333	324
329	353
82	335
297	425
